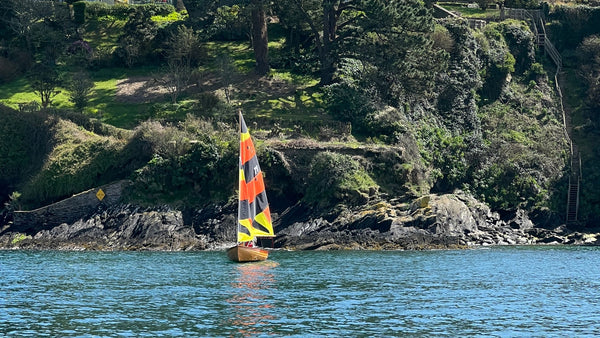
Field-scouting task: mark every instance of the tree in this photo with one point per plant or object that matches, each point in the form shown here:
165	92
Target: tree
391	35
259	36
80	88
180	50
43	79
201	12
39	27
137	36
394	37
589	67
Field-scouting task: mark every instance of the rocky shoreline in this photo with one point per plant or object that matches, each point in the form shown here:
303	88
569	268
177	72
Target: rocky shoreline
449	221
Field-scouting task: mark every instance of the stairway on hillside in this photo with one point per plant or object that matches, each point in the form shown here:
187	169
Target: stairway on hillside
574	186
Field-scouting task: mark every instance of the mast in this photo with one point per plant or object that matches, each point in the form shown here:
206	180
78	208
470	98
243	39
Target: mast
239	174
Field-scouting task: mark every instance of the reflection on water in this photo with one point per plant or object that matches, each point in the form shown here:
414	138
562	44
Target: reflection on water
251	304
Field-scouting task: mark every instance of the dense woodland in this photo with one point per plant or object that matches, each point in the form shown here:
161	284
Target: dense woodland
470	109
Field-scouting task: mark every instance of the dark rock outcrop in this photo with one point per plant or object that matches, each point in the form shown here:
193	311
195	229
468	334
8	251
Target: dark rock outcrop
430	222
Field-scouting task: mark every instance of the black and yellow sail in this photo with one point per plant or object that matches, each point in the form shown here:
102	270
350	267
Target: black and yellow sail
254	216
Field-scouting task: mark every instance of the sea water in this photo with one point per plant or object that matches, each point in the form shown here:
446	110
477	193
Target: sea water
494	292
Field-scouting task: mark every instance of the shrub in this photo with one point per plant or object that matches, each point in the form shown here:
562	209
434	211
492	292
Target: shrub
442	38
189	164
335	178
80	88
24	144
348	103
445	152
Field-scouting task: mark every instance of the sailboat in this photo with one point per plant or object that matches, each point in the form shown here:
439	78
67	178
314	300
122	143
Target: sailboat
254	216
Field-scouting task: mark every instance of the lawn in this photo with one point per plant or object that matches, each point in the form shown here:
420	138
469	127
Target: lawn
228	65
471	13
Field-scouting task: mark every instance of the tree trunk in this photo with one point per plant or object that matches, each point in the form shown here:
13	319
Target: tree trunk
329	32
260	38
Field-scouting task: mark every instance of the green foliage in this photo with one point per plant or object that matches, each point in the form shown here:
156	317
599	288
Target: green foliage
499	62
79	12
395	38
23	146
569	25
521	43
190	163
348	100
522	3
335	178
536	72
80	88
589	67
44	80
230	23
18	238
442	39
456	101
524	152
135	41
505	186
446	153
181	48
97	9
80	160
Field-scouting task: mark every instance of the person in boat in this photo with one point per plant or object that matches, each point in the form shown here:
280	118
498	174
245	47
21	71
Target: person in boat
249	244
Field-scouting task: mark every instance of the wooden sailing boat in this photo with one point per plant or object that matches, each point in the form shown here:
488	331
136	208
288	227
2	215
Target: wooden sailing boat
254	216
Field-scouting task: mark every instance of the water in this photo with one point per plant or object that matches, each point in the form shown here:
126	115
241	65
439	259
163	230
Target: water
503	292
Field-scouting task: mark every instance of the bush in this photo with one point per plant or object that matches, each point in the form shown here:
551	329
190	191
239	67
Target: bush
24	145
78	161
348	103
190	163
521	43
337	178
445	152
350	100
98	9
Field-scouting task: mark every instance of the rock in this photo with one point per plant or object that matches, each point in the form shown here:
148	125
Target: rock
430	222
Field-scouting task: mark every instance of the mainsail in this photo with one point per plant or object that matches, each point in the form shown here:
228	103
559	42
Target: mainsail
254	217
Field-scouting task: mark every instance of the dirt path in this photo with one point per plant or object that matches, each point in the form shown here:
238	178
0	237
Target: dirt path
140	89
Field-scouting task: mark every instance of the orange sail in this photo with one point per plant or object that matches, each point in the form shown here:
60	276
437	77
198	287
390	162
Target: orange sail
254	216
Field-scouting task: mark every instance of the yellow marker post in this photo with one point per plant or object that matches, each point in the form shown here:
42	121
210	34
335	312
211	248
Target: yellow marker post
100	194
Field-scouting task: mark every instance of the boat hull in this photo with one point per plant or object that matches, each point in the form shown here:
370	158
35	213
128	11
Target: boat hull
242	254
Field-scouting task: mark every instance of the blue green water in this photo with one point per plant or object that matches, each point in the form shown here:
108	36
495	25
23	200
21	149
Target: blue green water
504	292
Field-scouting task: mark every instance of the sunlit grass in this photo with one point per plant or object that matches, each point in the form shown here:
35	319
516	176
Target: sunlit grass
19	92
240	54
296	79
172	17
103	34
473	13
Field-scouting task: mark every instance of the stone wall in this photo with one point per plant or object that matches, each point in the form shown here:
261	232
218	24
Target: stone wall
68	210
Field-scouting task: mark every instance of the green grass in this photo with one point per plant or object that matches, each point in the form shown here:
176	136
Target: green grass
472	13
103	34
102	104
19	92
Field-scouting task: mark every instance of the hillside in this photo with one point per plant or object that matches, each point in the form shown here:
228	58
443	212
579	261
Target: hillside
485	120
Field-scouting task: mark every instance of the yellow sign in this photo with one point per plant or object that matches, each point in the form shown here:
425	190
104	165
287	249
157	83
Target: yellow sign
100	194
